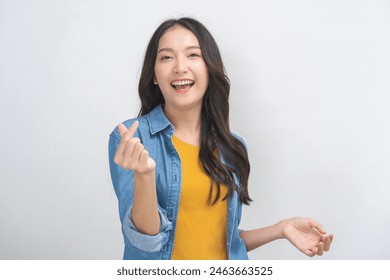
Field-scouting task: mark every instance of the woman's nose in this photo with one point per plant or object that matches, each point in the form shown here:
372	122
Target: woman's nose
180	66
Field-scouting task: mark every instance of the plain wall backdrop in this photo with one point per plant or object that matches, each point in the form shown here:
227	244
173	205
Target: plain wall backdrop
310	95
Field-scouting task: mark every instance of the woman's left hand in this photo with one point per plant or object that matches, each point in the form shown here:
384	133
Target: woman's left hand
307	235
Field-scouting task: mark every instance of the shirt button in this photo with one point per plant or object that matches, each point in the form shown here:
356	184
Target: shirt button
230	209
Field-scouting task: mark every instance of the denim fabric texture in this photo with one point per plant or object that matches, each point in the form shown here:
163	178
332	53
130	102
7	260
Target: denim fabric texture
155	132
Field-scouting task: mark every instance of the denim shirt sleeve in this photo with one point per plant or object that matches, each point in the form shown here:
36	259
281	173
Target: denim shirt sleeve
123	182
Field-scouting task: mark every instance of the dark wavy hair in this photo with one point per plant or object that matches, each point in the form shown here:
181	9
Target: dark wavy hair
215	131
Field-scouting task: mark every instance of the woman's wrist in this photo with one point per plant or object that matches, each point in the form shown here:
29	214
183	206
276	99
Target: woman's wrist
280	228
145	174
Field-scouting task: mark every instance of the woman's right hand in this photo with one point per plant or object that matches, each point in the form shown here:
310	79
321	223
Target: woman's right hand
131	153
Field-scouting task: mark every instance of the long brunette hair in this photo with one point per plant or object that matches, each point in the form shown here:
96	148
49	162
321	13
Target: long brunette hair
215	132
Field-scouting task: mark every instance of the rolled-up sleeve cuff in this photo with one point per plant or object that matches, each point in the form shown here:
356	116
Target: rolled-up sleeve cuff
144	242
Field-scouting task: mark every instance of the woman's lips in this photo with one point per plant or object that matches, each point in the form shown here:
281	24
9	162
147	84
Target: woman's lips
182	84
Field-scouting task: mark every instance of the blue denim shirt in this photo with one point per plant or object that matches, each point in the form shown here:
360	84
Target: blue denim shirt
155	132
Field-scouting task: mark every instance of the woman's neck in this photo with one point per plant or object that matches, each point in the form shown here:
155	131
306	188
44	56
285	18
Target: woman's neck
187	123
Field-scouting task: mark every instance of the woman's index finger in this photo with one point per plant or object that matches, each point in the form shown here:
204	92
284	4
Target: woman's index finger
132	129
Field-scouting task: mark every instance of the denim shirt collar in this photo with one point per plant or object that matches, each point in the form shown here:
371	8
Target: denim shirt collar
157	119
158	122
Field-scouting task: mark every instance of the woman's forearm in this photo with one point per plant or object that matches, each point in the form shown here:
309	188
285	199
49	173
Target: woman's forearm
258	237
144	213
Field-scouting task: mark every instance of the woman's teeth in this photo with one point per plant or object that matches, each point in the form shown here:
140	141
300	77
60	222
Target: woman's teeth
182	84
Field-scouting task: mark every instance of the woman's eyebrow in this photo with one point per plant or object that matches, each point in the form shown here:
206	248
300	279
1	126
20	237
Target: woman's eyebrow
171	50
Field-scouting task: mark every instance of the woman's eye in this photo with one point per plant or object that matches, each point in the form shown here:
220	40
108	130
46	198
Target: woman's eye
165	57
194	55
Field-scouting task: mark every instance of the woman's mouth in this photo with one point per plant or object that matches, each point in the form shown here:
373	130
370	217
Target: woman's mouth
182	84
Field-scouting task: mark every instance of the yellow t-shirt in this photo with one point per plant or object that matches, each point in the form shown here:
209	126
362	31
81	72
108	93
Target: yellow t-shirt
201	227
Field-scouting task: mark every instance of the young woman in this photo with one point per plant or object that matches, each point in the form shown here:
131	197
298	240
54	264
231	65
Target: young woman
179	173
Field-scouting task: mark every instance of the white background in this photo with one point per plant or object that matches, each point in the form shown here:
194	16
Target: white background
310	95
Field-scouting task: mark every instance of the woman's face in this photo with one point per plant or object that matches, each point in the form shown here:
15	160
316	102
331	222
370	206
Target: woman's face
180	70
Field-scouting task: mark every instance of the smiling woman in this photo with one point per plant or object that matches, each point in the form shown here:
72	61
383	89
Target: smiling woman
180	71
179	173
